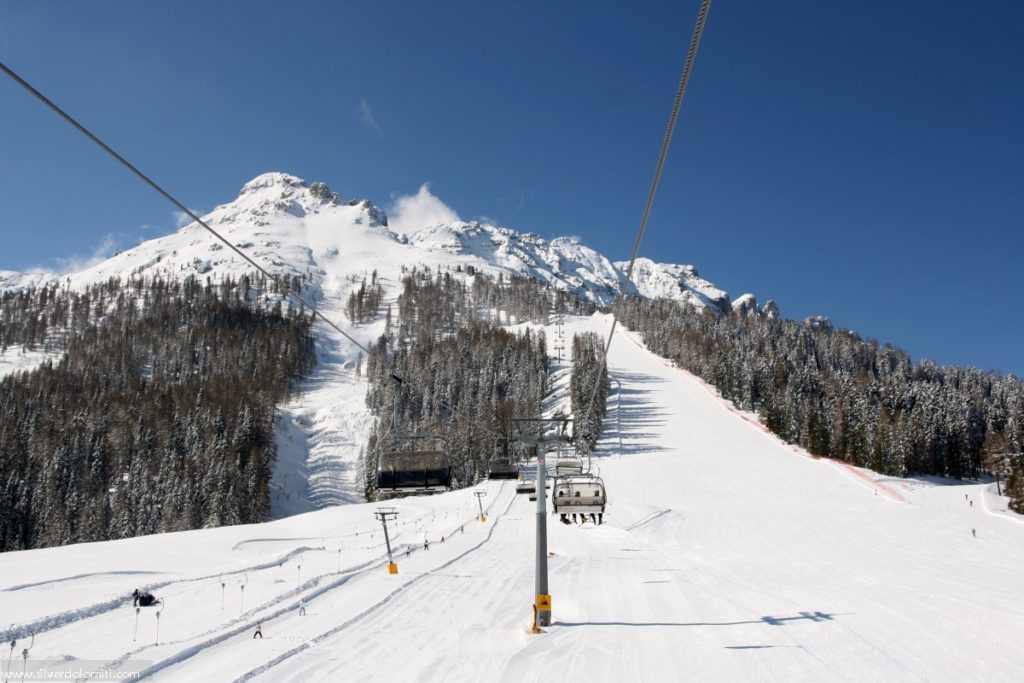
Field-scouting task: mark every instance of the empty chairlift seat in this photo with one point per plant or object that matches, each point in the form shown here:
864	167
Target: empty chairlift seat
502	468
526	486
413	465
566	466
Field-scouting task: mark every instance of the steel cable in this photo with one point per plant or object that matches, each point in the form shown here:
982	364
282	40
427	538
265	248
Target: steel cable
166	195
698	31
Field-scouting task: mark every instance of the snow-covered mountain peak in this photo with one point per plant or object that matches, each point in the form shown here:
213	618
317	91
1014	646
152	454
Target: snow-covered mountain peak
272	180
676	281
297	228
282	193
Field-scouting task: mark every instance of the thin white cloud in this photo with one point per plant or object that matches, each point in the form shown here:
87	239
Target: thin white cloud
75	263
367	119
181	219
412	212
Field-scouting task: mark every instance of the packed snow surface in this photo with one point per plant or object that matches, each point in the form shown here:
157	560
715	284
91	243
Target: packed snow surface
16	359
726	555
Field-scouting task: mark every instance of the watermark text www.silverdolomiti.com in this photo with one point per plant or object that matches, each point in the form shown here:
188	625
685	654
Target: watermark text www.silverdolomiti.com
72	670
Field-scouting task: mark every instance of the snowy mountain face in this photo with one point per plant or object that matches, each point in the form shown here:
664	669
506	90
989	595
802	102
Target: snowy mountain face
305	230
296	228
671	281
11	279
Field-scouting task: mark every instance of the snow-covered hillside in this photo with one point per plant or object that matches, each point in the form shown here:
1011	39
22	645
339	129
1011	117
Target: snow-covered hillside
295	228
726	556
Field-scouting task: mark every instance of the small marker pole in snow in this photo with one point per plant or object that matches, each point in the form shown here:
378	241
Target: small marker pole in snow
14	643
158	624
480	501
300	573
223	588
24	657
136	634
241	605
339	560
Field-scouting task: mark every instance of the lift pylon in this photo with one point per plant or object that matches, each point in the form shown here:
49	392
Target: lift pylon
542	432
384	514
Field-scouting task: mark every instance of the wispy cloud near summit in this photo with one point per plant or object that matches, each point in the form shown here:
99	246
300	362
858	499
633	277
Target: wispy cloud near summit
412	212
75	263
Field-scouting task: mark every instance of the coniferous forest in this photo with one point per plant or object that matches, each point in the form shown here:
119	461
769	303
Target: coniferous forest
462	377
838	395
159	415
588	368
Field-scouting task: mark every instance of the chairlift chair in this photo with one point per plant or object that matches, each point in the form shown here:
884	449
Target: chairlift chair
501	465
416	464
502	468
526	486
579	494
568	465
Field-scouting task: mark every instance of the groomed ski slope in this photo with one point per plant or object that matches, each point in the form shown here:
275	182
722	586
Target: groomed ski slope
725	556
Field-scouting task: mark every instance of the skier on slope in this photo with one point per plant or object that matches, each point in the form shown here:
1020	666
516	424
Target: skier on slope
143	599
302	607
259	630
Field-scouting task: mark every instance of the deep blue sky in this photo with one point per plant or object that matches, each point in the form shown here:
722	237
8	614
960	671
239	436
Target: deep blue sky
862	160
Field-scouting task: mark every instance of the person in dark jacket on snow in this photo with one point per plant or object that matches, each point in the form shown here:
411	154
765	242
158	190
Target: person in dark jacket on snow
143	599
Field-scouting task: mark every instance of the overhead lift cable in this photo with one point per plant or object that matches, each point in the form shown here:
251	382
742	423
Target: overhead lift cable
684	78
166	195
435	476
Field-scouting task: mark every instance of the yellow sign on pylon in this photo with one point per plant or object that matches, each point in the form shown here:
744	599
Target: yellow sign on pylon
543	603
392	568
